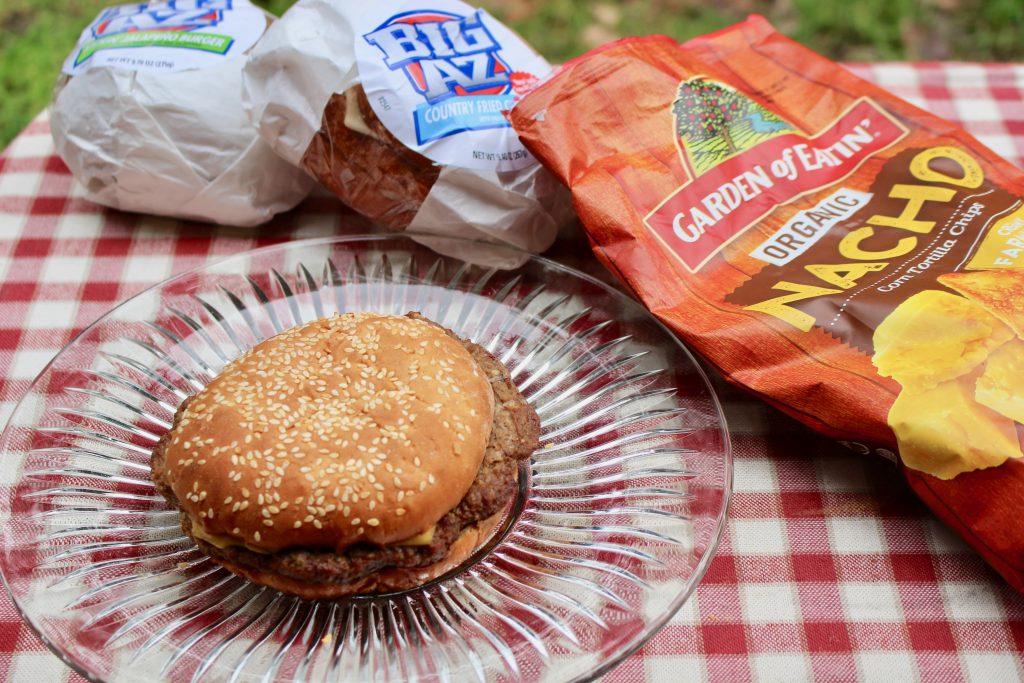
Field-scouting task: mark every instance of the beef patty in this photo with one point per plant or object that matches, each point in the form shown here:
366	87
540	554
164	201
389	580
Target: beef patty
514	436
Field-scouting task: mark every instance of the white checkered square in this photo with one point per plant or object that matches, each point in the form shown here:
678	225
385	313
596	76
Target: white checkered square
689	613
6	408
856	535
31	410
38	145
755	475
19	184
675	669
758	536
977	110
964	75
145	307
770	603
885	667
79	225
781	667
916	100
1002	145
893	75
993	666
870	602
66	269
147	269
28	362
972	602
12	225
38	666
51	314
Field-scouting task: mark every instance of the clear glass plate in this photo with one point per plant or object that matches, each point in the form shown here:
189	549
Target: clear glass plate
616	518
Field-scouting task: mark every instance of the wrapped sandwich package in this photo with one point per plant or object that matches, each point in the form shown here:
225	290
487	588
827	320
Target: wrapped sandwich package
148	115
853	260
396	107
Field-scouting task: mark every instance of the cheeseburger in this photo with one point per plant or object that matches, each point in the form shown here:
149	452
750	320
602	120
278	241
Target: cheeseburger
357	158
361	453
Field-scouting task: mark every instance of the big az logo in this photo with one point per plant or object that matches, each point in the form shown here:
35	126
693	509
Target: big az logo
443	55
175	15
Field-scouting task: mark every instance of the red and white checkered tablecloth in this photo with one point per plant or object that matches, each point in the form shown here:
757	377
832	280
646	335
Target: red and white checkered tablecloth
829	569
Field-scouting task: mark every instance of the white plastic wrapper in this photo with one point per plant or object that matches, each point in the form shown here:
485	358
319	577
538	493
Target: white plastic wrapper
396	108
148	115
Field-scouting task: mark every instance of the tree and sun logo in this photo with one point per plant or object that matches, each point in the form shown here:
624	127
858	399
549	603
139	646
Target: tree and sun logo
714	122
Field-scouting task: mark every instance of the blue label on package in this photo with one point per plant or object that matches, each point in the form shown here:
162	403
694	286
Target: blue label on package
436	121
440	76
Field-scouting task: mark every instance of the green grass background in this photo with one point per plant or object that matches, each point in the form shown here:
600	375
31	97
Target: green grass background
36	35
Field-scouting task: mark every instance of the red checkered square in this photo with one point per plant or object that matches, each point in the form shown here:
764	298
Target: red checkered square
724	639
827	637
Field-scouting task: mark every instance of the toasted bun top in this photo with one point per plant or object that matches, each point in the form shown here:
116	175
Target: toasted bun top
358	427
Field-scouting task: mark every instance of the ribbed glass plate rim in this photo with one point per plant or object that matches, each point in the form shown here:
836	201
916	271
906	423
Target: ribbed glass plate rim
218	265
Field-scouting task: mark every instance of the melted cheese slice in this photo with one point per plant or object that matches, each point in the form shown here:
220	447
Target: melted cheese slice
353	118
218	541
422	538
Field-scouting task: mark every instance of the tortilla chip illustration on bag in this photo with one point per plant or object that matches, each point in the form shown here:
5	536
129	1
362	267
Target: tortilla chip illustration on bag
999	387
1000	292
935	336
851	259
944	431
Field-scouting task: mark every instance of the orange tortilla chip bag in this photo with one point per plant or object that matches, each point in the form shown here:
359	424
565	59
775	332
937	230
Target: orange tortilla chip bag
850	258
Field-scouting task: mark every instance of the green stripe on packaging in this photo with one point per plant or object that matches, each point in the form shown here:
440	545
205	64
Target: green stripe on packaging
207	42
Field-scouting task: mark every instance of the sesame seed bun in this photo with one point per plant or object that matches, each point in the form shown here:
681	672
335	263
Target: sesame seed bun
359	428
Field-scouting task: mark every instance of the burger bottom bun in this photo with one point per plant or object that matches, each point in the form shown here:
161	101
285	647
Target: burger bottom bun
383	581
